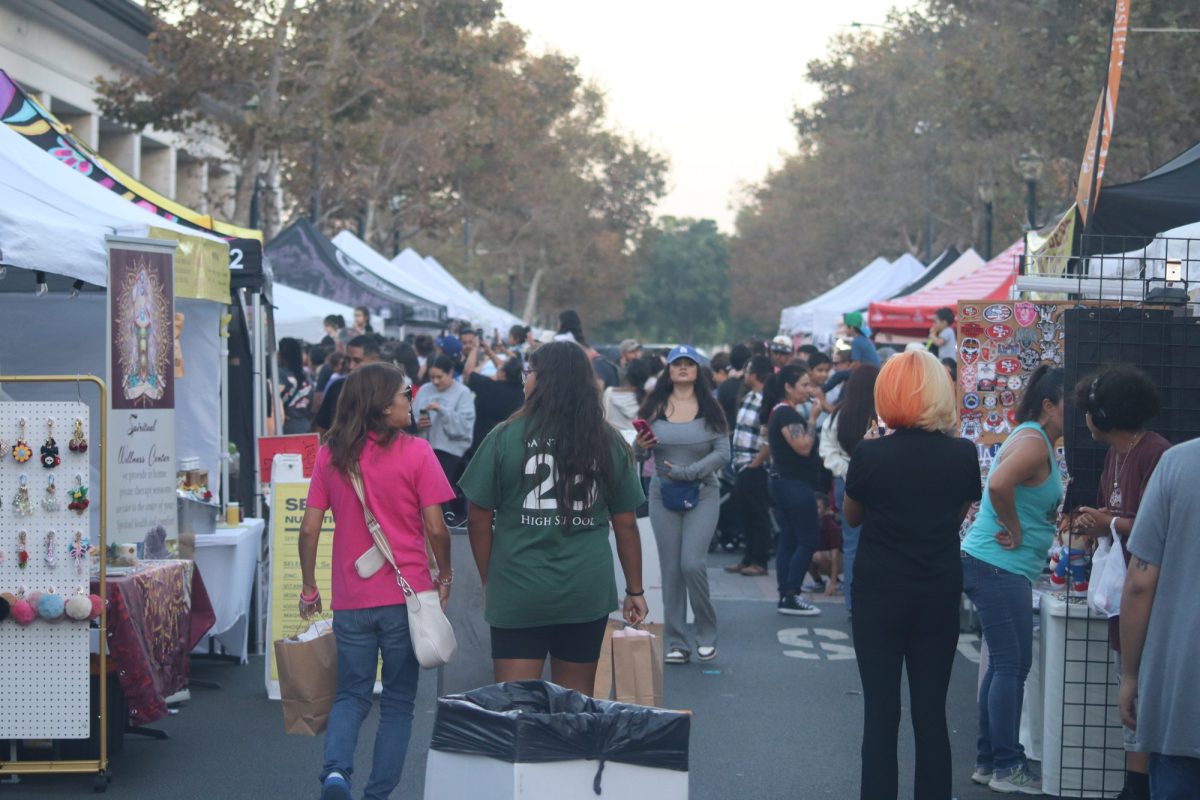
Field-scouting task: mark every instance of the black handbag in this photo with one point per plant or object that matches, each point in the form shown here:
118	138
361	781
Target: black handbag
679	495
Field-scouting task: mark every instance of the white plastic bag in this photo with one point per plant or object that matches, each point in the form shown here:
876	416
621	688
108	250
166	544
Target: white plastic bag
1108	577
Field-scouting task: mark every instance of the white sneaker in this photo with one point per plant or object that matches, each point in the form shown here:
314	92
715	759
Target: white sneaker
1020	780
982	776
676	655
706	652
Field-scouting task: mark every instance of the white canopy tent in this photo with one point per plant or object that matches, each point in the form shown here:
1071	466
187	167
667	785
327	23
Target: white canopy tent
411	268
1129	276
379	266
301	315
462	302
819	317
53	219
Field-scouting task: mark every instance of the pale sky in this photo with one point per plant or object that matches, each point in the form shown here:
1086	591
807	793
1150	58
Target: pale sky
709	83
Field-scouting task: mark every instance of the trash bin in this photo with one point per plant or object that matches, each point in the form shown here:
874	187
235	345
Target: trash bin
532	740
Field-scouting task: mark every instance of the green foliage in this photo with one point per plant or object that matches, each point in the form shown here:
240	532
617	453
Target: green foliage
982	81
421	122
682	288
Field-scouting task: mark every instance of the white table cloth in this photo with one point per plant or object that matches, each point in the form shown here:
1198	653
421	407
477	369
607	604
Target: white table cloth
228	561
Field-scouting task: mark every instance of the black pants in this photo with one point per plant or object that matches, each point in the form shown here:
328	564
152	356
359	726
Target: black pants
916	631
750	492
453	466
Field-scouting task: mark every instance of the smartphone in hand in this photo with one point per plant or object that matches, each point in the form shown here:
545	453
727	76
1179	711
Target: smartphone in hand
643	428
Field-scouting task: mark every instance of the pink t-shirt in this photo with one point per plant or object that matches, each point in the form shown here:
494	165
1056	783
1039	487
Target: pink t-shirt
398	482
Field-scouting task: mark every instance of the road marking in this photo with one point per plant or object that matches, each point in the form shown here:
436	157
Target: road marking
968	645
817	643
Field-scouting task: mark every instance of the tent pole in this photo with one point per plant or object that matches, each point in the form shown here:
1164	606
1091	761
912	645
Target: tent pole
257	380
224	393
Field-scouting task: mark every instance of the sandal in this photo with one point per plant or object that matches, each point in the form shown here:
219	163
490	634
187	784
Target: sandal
677	655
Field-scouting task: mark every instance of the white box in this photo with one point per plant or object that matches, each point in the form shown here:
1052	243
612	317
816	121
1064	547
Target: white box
451	775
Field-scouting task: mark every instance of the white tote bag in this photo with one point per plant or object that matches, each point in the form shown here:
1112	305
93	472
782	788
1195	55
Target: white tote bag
1108	577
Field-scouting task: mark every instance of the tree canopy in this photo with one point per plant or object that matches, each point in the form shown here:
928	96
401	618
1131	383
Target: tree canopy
915	116
415	122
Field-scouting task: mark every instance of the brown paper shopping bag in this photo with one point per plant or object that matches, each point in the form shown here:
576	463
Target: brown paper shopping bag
307	681
637	658
604	666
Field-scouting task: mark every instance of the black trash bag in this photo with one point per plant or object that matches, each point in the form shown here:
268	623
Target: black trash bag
536	721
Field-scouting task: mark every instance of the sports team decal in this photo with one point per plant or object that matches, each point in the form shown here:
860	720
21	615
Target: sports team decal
1000	312
1025	314
969	311
973	330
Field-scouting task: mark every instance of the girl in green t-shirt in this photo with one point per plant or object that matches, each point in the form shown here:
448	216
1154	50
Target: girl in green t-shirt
544	487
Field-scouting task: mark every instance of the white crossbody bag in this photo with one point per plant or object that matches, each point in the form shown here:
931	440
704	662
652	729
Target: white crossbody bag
432	635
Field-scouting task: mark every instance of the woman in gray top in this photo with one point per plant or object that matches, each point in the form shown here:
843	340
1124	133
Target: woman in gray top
691	445
445	414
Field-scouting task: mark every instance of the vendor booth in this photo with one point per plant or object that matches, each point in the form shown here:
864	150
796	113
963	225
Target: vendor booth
410	266
303	258
820	316
301	315
473	306
913	314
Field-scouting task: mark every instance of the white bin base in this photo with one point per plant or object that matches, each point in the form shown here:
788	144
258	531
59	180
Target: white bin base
451	775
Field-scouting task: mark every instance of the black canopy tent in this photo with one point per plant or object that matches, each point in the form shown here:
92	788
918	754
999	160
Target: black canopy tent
304	258
1129	215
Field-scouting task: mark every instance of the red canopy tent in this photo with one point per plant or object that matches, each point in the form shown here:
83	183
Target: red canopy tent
912	315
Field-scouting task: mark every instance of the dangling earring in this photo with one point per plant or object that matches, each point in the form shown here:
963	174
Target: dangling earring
51	556
79	501
79	552
50	502
21	451
21	505
78	443
50	457
22	551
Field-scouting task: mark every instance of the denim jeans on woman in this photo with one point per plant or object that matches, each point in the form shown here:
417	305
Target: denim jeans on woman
799	533
1004	601
850	534
362	635
1174	777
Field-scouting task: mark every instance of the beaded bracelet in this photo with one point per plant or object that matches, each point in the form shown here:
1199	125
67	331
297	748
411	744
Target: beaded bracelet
309	598
440	581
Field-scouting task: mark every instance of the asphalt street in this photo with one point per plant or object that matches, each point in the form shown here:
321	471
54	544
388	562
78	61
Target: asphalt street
778	714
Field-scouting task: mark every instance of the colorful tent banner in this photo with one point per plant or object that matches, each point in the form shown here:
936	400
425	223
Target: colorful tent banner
1095	154
1050	248
26	116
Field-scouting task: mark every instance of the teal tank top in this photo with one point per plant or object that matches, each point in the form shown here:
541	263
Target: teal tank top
1037	509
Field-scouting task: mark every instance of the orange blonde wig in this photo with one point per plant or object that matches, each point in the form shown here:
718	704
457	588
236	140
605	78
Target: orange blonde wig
914	391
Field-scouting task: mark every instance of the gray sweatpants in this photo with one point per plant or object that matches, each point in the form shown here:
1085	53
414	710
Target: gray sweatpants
683	538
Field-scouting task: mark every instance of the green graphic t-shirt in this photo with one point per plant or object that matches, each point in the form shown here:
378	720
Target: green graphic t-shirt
549	566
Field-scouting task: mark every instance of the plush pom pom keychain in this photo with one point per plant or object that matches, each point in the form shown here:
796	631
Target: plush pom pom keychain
22	612
5	608
97	605
79	606
50	606
33	598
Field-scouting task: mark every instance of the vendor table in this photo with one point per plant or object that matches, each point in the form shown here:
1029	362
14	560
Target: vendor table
228	560
156	614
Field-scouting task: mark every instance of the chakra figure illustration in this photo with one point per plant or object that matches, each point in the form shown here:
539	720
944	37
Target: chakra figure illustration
142	329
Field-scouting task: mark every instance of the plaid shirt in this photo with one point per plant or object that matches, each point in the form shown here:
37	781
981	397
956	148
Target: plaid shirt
747	439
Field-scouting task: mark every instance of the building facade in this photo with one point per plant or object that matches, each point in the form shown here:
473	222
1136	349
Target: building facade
55	49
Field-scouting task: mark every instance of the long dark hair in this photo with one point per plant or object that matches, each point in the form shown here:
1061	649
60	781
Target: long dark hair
775	389
1046	383
655	404
856	407
511	370
368	391
636	375
292	358
569	322
563	411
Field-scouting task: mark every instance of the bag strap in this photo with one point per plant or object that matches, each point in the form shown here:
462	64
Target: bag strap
377	535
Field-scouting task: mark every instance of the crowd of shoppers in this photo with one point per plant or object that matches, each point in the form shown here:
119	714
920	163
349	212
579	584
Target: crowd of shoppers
554	445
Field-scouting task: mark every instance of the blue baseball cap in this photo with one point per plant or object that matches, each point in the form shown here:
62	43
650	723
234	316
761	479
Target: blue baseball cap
684	351
450	345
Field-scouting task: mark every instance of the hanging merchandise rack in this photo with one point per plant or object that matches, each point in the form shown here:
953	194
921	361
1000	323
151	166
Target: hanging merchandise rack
50	557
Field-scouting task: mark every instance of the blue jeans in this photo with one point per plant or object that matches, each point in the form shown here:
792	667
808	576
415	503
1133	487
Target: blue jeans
362	634
796	508
1174	777
849	538
1005	604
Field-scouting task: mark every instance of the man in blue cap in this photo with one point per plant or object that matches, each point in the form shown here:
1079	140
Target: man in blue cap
862	349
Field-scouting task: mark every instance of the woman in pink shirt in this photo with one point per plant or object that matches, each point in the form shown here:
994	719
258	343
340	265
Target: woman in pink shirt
404	487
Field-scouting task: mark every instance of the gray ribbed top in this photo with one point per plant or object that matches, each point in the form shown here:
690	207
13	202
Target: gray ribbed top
696	451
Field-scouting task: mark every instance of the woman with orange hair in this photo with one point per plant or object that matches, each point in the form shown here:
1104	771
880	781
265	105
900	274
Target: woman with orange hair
910	491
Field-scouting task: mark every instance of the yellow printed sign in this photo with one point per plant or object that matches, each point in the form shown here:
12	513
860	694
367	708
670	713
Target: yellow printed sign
287	512
201	266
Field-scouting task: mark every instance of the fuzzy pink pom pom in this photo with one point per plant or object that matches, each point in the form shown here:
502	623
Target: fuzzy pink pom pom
23	613
97	606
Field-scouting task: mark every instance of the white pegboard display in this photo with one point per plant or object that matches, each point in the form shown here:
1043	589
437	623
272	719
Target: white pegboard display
44	673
